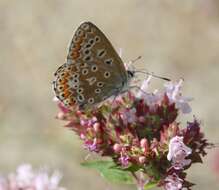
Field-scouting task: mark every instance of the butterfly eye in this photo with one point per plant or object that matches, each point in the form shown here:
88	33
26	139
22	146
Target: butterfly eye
106	74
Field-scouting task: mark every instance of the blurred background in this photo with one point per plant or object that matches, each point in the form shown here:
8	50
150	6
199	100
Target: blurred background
175	39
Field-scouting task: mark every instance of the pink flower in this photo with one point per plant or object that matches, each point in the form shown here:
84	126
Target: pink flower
150	98
144	87
173	182
178	151
117	148
91	145
26	178
173	91
3	184
128	116
124	159
135	130
61	106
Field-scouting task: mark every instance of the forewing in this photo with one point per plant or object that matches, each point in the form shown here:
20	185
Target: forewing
90	45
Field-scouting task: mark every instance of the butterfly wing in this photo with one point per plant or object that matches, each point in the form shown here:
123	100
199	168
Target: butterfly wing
90	44
93	71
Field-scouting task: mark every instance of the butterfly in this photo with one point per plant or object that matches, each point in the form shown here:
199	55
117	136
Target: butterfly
93	71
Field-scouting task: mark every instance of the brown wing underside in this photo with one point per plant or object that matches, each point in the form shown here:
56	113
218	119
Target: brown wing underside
93	71
81	42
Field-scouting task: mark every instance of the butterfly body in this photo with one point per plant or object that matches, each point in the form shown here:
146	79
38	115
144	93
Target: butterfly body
93	71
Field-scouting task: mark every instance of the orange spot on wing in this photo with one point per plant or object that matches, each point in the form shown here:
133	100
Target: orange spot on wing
66	93
75	52
63	81
65	86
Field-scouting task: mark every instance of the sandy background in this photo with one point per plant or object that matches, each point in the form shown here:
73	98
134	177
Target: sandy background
175	38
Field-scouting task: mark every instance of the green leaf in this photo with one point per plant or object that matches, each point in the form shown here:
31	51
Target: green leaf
132	168
110	172
99	164
151	170
150	185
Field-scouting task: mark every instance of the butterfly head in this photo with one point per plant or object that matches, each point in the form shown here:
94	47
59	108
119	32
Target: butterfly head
131	74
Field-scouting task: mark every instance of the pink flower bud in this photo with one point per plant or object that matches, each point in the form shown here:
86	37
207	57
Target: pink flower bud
96	127
94	119
60	116
79	113
82	136
141	119
117	148
144	143
142	159
83	122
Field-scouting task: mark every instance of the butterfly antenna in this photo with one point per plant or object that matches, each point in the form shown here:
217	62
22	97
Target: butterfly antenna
153	75
136	59
145	72
132	61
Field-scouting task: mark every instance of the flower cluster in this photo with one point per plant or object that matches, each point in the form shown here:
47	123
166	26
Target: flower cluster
27	179
141	131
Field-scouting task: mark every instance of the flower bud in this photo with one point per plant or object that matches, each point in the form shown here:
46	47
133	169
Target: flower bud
60	115
96	126
83	122
141	119
117	148
144	143
142	159
82	136
94	119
